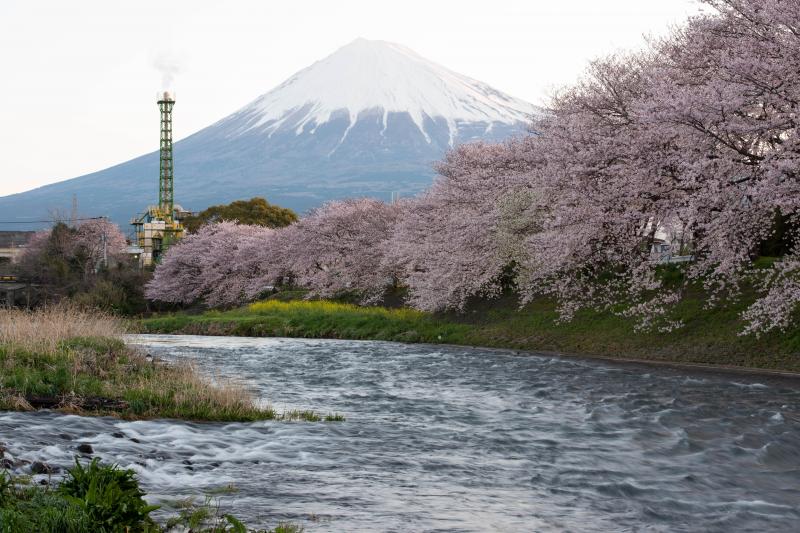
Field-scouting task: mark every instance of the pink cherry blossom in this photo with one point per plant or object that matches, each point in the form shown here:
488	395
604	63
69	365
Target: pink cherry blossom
690	144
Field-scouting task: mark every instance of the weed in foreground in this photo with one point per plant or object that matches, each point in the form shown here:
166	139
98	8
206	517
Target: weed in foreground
101	498
311	416
108	495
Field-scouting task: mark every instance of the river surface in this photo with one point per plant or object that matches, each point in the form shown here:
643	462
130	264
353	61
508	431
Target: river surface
460	439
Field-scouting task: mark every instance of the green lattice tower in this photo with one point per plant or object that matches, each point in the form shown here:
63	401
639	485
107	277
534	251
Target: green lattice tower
166	164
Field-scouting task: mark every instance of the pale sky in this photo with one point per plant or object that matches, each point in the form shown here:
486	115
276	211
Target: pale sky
79	77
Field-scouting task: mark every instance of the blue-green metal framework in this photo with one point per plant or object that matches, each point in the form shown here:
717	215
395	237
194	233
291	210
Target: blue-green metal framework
166	201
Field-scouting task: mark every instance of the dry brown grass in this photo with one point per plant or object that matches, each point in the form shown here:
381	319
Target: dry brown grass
75	360
46	327
182	386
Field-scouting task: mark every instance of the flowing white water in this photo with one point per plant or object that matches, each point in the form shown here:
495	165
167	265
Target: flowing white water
460	439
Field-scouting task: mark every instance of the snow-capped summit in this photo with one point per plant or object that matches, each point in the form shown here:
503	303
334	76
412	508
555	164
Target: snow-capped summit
370	119
383	77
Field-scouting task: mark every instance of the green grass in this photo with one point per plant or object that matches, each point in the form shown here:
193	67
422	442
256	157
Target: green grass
99	498
76	361
710	336
312	319
102	376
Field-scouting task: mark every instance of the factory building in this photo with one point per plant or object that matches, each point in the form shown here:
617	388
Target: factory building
12	245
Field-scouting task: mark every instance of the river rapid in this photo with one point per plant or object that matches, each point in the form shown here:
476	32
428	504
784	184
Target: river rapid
459	439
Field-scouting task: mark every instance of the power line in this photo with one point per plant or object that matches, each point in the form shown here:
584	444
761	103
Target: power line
46	221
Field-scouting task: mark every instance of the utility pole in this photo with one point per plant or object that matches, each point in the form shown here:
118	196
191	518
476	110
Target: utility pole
105	245
74	214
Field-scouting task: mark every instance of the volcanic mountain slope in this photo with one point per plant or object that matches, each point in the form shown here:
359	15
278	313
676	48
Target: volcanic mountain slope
368	120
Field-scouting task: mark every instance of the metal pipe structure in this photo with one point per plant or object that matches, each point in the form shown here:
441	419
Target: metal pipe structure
166	202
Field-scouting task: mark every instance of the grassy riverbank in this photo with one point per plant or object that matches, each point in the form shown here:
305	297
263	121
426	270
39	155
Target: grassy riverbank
709	336
76	361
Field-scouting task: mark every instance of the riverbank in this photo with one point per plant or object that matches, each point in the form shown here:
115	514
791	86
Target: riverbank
455	428
73	361
76	362
709	337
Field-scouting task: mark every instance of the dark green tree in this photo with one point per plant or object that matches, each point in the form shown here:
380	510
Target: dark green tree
65	262
255	211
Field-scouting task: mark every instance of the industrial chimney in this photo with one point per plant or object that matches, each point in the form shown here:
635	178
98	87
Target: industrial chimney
160	226
166	101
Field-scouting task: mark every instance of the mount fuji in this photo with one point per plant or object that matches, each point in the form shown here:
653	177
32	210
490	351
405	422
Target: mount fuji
368	120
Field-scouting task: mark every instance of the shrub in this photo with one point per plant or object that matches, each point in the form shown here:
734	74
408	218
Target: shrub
99	498
109	495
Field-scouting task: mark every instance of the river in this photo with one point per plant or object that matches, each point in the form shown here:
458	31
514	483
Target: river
460	439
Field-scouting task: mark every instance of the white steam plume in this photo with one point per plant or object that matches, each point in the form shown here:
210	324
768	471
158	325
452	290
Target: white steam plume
169	67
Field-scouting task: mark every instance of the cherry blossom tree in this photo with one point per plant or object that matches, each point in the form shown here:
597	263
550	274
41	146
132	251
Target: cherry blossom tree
337	248
210	265
701	130
99	241
340	247
738	119
694	138
600	193
448	243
